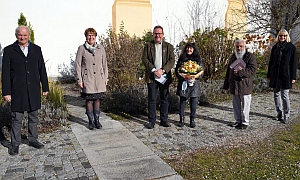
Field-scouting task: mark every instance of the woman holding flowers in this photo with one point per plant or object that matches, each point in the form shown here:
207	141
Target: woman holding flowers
92	75
188	71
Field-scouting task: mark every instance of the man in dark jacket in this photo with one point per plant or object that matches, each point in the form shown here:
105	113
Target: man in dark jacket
239	81
282	73
158	59
23	70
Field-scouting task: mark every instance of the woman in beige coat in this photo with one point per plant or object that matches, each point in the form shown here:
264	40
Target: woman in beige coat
92	75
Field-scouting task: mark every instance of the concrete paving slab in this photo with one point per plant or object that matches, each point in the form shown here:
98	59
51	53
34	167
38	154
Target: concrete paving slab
112	146
115	153
150	167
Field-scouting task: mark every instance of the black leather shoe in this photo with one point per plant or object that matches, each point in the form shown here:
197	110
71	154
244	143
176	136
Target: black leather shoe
150	125
241	126
234	124
164	124
6	143
14	150
286	120
36	144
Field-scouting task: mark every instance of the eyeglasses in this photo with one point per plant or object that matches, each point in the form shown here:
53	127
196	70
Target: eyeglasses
157	33
282	35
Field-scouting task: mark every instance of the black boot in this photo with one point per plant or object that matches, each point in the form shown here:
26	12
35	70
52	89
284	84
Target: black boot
96	116
14	150
181	121
90	116
192	122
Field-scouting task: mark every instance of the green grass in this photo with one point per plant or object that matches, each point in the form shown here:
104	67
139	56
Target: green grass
277	157
119	116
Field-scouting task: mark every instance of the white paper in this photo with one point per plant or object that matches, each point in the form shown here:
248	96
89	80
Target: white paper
162	79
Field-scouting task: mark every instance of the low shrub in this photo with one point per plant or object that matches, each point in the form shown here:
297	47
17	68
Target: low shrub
134	101
53	112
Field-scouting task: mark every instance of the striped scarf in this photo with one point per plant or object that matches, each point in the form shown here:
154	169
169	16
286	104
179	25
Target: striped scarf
90	48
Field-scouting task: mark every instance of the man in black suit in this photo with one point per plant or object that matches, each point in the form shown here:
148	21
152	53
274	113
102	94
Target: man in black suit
23	70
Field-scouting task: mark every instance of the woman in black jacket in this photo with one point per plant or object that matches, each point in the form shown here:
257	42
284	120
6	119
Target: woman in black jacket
188	87
282	73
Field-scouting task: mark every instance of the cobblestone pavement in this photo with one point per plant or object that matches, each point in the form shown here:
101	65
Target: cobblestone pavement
61	158
212	126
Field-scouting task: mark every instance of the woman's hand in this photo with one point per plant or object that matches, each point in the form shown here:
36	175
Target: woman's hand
293	81
199	74
80	84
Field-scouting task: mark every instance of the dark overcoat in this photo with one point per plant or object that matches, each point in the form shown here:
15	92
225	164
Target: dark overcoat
22	77
168	60
242	84
282	66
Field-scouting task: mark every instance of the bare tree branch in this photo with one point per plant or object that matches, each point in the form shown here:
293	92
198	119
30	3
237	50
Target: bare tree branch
269	16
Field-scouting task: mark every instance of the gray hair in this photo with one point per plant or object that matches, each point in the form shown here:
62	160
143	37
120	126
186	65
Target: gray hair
238	41
22	26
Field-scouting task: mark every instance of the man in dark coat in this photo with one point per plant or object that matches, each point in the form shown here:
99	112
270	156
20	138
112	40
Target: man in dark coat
282	73
239	81
23	70
158	59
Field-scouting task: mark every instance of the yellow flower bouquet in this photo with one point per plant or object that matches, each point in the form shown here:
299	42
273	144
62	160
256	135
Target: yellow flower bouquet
189	69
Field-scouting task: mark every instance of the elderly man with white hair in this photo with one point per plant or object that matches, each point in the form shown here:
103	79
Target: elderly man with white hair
23	73
239	80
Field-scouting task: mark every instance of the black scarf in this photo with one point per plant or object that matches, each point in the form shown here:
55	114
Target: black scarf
280	48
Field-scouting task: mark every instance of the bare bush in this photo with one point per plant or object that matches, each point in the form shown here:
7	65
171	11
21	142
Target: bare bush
215	48
125	86
67	72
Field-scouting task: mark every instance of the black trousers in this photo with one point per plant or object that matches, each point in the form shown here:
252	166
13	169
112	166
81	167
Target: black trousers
16	125
153	89
193	104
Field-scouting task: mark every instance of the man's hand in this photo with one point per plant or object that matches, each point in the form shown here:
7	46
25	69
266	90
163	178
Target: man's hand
236	72
7	98
293	81
45	93
158	73
80	84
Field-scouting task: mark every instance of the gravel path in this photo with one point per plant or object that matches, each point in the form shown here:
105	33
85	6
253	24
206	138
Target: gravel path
63	157
212	128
